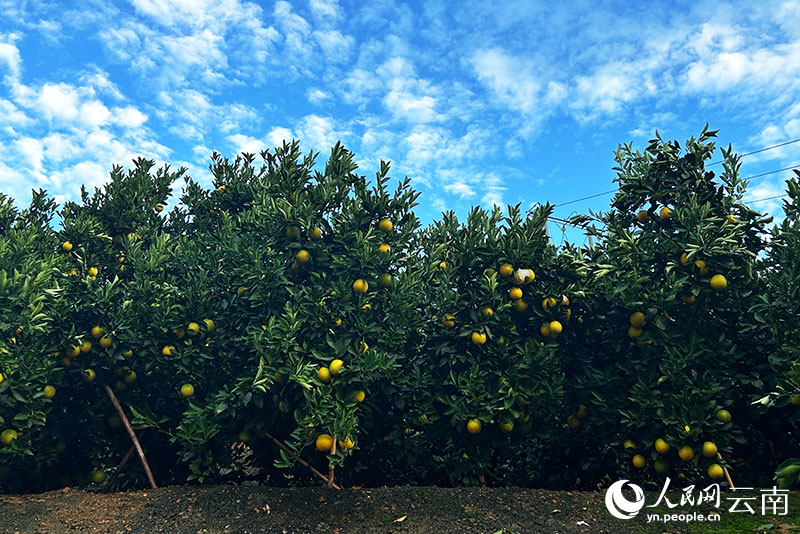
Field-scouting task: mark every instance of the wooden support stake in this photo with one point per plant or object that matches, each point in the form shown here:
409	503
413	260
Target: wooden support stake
330	467
727	475
482	480
118	469
132	435
299	459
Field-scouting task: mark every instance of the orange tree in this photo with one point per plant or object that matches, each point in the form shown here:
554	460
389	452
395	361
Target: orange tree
779	309
29	306
308	280
497	307
671	355
111	314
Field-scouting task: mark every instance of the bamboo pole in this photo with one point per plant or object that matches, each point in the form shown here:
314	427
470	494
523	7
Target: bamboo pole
118	469
132	435
299	459
331	466
727	475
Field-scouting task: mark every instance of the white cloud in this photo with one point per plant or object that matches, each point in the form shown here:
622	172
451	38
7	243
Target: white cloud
405	105
508	78
325	10
320	133
460	188
32	153
9	55
94	113
278	135
335	46
245	143
59	101
12	114
315	96
128	117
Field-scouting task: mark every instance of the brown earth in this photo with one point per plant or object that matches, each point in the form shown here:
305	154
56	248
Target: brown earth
250	509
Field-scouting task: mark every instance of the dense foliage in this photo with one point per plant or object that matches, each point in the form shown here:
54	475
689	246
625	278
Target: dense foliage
309	305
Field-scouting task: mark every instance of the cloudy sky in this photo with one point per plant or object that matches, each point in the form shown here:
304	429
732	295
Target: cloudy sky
478	104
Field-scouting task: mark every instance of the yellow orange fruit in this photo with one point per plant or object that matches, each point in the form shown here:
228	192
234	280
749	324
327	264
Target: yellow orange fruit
686	453
292	232
642	216
637	319
684	259
689	299
336	366
629	444
168	350
520	305
8	435
715	471
555	328
97	332
324	443
359	396
187	390
665	213
324	374
73	351
448	320
93	271
473	426
478	338
105	341
548	303
505	427
385	225
210	326
384	248
634	332
66	246
506	270
360	286
709	449
316	233
86	346
515	293
718	282
49	392
639	461
385	280
487	311
89	375
661	445
724	416
303	256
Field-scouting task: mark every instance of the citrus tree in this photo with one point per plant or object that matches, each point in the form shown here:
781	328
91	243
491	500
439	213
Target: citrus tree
673	353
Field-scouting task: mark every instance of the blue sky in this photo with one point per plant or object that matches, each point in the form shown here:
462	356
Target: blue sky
477	103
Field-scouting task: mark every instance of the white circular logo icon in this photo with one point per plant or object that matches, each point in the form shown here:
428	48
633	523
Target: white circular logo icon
618	505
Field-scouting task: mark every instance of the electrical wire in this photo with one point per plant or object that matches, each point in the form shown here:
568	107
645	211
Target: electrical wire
714	163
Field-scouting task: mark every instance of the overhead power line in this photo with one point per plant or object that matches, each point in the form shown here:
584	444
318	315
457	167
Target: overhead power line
768	198
759	150
610	191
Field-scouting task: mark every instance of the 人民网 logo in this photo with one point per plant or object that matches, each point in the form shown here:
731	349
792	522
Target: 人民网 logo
618	505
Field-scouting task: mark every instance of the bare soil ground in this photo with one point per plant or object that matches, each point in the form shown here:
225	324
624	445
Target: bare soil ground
250	509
